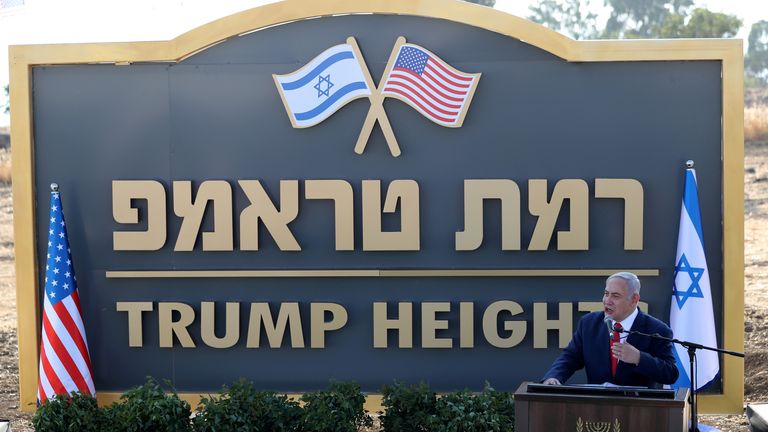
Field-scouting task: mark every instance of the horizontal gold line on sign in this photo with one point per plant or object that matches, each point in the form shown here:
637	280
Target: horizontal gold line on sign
240	273
513	272
150	274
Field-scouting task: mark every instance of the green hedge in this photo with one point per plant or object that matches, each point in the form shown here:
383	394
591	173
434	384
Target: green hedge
70	413
408	408
241	407
337	409
417	409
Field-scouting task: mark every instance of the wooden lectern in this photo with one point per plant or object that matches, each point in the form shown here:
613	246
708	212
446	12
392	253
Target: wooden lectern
576	408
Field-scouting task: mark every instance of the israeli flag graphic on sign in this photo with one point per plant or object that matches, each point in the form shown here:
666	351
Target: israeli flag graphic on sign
691	315
322	86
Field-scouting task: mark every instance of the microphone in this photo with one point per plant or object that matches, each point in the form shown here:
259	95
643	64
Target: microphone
608	322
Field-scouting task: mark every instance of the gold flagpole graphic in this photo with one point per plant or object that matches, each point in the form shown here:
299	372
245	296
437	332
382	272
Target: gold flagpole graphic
376	112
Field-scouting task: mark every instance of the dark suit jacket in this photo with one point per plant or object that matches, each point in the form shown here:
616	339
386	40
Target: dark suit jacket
589	349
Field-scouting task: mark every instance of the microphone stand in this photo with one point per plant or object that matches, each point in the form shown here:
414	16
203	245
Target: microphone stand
691	347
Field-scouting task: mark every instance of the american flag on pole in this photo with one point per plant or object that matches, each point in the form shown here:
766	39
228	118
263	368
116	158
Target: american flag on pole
65	365
431	86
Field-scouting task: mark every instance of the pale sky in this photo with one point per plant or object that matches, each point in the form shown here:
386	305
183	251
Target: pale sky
56	21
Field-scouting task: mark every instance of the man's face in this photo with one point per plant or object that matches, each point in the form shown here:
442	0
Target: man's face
616	303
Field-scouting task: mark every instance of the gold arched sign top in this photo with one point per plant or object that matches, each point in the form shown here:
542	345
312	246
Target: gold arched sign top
728	51
287	11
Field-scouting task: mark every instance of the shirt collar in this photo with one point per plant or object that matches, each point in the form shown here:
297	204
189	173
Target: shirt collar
626	324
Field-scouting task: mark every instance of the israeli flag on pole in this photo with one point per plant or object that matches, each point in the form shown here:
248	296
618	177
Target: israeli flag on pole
322	86
691	315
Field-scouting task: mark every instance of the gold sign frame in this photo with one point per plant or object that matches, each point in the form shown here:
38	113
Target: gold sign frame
728	51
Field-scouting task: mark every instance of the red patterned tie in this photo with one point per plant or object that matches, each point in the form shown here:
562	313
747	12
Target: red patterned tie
615	338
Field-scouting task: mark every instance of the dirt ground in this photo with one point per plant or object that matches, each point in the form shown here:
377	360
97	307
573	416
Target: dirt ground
756	291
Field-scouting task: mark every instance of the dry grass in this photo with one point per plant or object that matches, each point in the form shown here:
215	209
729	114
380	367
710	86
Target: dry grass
756	123
5	172
5	166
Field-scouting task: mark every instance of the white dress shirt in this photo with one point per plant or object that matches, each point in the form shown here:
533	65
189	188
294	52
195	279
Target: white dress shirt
626	324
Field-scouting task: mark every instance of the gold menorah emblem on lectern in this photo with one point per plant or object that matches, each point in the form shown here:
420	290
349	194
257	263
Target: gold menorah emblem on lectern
582	426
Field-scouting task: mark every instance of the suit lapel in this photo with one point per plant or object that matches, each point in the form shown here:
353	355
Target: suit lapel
638	325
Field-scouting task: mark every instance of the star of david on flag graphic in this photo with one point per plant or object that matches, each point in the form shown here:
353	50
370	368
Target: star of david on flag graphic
692	289
691	315
65	364
318	89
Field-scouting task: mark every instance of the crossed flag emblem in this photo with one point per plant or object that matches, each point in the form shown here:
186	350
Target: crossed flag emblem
413	75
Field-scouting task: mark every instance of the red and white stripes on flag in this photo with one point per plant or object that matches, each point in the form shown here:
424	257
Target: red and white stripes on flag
431	86
65	364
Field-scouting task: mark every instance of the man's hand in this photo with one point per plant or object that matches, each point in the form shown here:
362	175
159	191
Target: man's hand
626	353
551	381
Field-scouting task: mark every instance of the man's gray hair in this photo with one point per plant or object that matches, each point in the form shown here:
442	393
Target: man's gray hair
633	283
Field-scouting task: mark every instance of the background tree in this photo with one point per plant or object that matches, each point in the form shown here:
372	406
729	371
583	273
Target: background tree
634	19
572	17
489	3
641	18
7	106
756	62
701	24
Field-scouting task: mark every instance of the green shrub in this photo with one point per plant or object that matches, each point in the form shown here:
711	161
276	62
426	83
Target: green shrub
336	409
148	408
407	408
503	404
489	411
244	409
75	412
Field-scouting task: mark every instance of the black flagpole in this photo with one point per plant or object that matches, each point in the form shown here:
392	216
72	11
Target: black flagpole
691	347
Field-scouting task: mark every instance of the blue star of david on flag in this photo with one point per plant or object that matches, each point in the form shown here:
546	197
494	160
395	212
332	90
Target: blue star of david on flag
692	290
319	86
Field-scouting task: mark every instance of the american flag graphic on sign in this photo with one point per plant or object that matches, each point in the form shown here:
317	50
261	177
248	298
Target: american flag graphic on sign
65	365
430	85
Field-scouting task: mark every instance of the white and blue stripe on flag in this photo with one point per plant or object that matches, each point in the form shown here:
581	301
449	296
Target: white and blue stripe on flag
322	86
691	316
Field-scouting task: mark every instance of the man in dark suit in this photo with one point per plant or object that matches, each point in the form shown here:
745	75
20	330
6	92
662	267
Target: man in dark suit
615	358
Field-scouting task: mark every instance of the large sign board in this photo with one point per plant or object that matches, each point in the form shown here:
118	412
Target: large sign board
415	191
